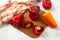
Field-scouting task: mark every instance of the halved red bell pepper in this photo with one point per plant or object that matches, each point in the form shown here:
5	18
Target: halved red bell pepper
27	24
37	29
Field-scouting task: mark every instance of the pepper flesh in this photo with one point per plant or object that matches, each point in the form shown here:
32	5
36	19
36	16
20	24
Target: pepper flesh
38	30
27	24
49	20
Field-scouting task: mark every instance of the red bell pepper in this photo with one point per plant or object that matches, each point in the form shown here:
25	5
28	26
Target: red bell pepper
34	9
27	24
37	29
16	20
34	12
47	4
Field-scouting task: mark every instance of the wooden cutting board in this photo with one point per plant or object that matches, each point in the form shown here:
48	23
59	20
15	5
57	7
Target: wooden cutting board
39	22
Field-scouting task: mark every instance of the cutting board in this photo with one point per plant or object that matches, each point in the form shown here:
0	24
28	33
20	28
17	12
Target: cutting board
39	22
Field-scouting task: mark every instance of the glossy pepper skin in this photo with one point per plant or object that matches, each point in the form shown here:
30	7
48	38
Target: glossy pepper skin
47	4
49	20
27	24
38	30
16	20
34	12
34	16
34	9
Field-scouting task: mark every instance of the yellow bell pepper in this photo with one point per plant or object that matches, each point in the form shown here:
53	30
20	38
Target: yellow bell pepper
49	20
